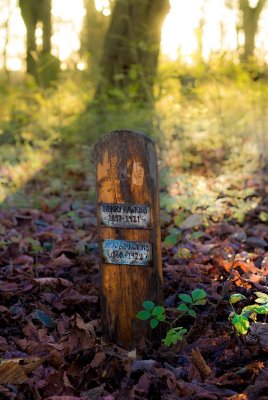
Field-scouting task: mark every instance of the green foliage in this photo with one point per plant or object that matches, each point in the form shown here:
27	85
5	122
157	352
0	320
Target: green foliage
35	245
186	298
205	124
262	298
197	235
241	321
144	315
234	298
197	298
171	240
148	305
196	201
183	252
156	314
211	123
48	69
153	313
263	216
174	335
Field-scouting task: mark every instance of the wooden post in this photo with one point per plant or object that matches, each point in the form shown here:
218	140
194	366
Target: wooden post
129	233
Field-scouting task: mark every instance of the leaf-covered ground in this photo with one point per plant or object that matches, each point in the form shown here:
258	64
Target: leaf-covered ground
50	333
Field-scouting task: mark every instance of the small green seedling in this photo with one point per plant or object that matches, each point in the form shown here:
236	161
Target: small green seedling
153	313
241	321
156	314
197	298
174	335
35	246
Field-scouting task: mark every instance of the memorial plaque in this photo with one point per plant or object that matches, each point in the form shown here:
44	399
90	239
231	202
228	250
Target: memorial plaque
125	215
126	252
129	234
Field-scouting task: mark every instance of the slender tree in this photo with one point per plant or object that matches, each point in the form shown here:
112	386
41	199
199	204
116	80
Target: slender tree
33	11
6	26
131	49
250	20
95	26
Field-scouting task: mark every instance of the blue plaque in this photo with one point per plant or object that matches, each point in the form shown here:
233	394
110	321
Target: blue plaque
126	252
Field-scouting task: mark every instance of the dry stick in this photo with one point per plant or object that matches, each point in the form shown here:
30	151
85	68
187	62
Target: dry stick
200	363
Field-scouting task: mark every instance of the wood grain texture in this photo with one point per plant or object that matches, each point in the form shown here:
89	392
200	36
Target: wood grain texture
127	172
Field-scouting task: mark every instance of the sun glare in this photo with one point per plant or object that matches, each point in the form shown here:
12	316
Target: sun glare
179	34
103	6
67	26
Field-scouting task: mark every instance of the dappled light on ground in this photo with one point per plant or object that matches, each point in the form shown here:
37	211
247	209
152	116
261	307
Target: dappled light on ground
15	173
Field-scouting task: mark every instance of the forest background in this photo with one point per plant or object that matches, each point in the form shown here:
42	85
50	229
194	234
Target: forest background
202	97
192	75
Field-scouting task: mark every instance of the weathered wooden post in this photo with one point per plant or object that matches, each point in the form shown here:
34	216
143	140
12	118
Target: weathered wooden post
129	232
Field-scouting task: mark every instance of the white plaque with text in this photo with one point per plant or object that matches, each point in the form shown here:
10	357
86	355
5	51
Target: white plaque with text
125	215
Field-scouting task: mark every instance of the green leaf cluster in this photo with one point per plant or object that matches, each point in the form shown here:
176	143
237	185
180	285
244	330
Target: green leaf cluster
183	252
241	321
263	216
36	246
174	335
152	312
237	297
197	298
156	314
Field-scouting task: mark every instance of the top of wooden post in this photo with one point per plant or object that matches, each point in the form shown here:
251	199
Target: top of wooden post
122	135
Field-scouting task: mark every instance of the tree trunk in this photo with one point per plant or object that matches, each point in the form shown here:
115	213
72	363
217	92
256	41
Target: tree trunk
250	19
131	49
7	37
33	11
95	26
45	13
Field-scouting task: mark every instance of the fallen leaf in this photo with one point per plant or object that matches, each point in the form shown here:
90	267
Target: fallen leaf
63	398
62	261
194	220
45	319
24	259
260	329
14	371
143	365
98	359
53	282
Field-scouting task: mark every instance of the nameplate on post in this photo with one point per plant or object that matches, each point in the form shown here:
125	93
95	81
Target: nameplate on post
125	215
126	252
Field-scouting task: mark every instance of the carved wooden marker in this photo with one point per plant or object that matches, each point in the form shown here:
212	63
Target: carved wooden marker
129	232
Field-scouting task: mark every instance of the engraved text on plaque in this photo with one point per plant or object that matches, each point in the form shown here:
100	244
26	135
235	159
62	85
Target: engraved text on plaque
125	215
126	252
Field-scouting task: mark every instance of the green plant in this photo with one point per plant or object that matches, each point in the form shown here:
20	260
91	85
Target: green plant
174	335
155	314
35	245
241	321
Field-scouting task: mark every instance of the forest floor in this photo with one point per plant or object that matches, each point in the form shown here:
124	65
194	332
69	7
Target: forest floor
50	333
